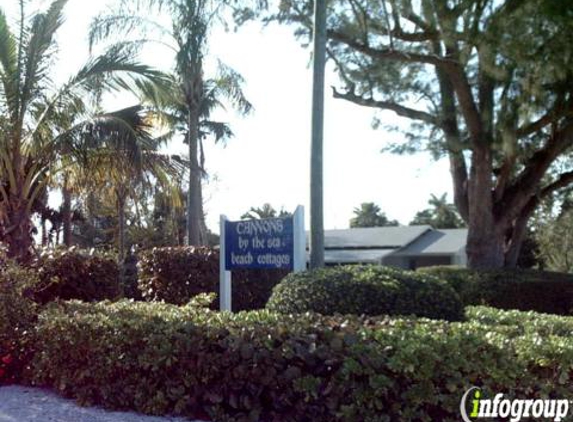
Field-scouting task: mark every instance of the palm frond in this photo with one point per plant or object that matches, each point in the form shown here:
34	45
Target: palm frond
9	66
37	51
123	133
161	95
122	24
230	84
220	130
119	70
112	71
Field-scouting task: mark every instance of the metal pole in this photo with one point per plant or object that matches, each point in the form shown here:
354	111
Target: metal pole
299	239
224	275
316	183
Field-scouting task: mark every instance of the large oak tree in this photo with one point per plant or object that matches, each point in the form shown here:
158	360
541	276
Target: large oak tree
487	83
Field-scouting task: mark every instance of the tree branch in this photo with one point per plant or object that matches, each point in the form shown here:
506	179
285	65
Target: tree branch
450	66
516	196
466	99
540	123
520	223
387	53
563	181
400	34
459	172
451	130
387	105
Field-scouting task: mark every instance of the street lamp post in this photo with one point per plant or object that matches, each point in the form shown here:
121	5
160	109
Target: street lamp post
316	156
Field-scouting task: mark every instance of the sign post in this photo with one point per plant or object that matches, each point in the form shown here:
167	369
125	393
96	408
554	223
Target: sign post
299	263
270	243
224	275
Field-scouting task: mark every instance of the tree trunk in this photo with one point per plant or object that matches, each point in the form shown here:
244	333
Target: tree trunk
18	236
121	234
485	247
67	213
202	224
44	232
194	195
515	242
519	232
485	244
121	226
17	219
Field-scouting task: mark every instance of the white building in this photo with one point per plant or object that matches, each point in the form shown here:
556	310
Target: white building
406	247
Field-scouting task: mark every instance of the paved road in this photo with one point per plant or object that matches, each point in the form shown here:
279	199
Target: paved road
24	404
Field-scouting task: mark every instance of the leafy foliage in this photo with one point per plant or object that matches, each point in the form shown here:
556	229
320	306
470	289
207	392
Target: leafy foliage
555	242
266	211
18	314
175	275
487	83
369	290
370	215
72	274
526	290
40	120
441	215
186	102
163	359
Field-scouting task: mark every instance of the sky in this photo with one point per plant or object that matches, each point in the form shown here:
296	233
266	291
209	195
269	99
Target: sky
268	160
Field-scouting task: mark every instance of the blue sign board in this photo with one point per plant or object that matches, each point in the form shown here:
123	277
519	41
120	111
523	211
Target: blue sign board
266	243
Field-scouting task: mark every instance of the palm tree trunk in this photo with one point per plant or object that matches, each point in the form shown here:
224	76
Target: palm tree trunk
18	236
121	199
17	224
121	226
194	201
67	213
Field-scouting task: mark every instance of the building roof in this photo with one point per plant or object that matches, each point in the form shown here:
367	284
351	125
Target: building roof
373	237
437	242
355	256
372	244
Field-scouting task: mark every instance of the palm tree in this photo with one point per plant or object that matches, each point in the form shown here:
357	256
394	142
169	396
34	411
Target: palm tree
370	215
266	211
440	215
126	163
187	101
31	143
172	110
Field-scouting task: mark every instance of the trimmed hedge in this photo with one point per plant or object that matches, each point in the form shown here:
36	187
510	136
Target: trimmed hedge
175	275
72	274
18	315
526	290
368	290
162	359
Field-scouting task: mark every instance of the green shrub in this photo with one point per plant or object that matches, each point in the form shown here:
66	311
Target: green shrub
175	275
521	322
526	290
18	314
457	277
369	290
162	359
71	274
